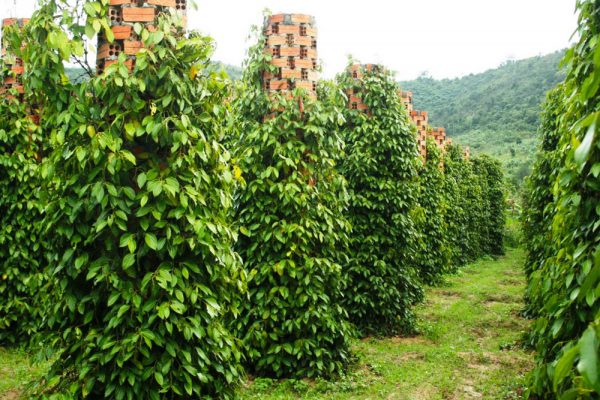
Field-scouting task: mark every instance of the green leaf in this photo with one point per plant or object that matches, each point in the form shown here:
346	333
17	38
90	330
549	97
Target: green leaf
159	378
141	180
583	150
564	366
588	357
128	261
151	241
113	299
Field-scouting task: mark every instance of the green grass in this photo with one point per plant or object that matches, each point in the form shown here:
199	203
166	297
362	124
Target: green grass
468	348
16	371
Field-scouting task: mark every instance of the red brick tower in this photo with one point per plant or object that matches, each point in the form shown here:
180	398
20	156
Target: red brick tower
14	63
407	100
439	136
292	41
123	15
421	120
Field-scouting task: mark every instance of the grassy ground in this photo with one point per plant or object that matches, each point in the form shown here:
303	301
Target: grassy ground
467	349
15	372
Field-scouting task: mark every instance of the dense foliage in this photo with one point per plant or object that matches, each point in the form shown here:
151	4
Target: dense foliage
538	199
475	217
464	208
291	214
492	205
434	258
381	168
140	192
21	244
495	112
121	211
564	273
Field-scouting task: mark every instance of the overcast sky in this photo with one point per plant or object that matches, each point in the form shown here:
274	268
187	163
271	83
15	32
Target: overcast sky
447	38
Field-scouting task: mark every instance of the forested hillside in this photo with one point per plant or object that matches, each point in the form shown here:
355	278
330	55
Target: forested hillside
495	112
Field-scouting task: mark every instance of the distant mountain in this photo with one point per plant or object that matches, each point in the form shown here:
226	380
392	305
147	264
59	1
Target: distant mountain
496	112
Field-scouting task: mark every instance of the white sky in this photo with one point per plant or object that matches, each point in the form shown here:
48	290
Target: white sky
447	38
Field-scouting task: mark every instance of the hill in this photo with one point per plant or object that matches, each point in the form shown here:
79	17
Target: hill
495	112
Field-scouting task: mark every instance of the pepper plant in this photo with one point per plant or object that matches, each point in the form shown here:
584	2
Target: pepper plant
565	272
139	190
539	199
381	168
290	213
434	256
21	209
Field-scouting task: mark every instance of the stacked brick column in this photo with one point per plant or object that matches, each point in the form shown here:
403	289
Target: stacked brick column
421	120
357	71
15	64
439	136
123	15
291	39
407	100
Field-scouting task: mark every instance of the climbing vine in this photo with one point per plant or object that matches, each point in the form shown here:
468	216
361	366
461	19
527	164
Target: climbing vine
21	242
381	168
562	227
139	191
434	256
290	212
163	229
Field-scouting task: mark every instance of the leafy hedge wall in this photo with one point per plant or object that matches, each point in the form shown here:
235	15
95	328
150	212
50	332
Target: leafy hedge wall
564	273
476	217
381	168
493	204
291	213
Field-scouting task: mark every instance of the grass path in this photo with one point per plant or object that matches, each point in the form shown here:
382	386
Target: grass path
467	349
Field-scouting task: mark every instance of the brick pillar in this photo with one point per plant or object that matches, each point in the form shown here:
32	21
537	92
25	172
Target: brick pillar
421	120
292	41
439	136
123	14
407	100
13	81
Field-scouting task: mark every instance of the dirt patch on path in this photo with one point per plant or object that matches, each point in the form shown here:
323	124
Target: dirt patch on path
10	395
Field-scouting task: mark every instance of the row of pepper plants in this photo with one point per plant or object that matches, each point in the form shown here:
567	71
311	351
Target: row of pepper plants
165	231
561	225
